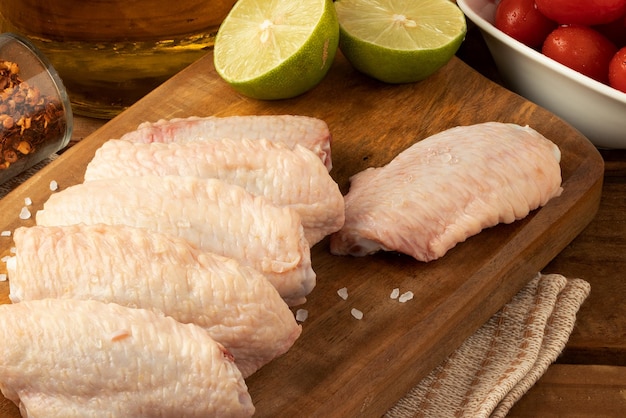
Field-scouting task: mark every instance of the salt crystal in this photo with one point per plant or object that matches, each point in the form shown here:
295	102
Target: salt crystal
28	201
13	250
5	258
356	313
5	234
25	213
343	293
3	277
302	315
395	293
406	296
54	185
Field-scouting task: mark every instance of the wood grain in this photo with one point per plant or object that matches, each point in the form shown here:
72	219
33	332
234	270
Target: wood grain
341	366
597	256
581	391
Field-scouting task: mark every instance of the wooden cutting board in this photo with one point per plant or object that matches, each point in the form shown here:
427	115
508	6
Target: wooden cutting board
342	366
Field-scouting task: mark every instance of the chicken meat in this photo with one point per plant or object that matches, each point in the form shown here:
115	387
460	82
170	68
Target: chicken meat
448	187
211	214
310	132
292	177
84	358
136	267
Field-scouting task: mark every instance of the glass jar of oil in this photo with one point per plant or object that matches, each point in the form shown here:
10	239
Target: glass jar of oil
110	53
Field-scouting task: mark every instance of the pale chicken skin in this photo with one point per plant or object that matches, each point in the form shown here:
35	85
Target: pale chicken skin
309	132
288	177
448	187
211	214
136	267
70	358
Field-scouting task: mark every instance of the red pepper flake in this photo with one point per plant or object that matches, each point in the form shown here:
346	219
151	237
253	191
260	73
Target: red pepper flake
28	119
120	335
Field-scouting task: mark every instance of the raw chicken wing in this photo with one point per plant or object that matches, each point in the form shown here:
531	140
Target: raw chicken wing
311	133
72	358
447	188
288	177
136	267
209	213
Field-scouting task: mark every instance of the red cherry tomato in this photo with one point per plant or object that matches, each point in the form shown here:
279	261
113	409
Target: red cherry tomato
582	49
582	12
617	70
521	20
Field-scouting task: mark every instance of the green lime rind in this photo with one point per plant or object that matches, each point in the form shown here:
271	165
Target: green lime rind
376	45
298	73
395	66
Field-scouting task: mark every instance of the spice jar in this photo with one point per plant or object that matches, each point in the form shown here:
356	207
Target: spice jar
110	53
35	113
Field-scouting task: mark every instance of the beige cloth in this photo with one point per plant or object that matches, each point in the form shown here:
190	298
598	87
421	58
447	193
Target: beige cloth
495	366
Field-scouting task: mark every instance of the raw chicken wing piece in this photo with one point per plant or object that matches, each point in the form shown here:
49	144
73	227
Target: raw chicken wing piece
136	267
310	132
64	358
448	187
211	214
293	177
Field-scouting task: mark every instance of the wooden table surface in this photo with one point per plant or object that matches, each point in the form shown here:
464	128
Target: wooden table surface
589	378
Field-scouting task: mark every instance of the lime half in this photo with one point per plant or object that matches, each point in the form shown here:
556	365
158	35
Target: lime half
399	41
276	49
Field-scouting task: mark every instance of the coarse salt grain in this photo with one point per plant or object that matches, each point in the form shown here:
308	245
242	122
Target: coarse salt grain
5	258
54	185
406	296
5	233
395	293
302	315
28	201
343	293
25	213
3	277
356	313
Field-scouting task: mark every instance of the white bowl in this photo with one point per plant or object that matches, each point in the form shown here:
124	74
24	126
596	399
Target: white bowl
595	109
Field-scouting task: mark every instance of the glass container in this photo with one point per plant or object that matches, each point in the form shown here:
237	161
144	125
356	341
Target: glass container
110	53
35	112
